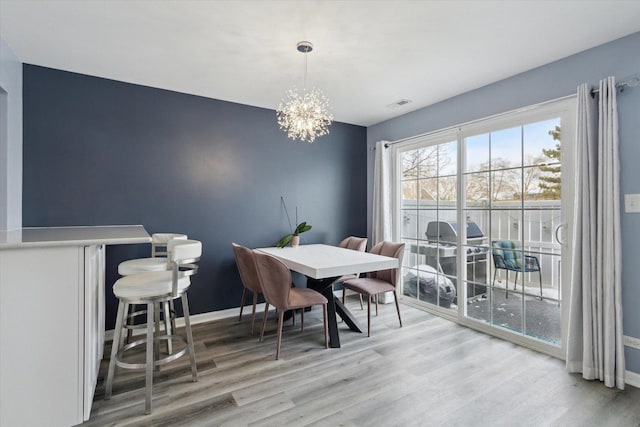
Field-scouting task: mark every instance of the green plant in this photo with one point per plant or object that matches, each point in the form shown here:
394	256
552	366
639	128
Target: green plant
301	228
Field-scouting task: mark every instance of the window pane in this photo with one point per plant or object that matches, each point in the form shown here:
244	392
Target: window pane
477	156
506	185
427	161
447	192
541	142
447	158
428	192
409	194
409	161
506	148
477	189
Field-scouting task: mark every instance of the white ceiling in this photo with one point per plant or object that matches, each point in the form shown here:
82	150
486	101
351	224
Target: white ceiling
367	54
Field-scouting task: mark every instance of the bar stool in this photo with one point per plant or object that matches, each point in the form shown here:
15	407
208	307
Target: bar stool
151	288
157	262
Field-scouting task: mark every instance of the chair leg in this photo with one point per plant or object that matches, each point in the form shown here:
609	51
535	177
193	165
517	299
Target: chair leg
187	326
253	311
395	297
377	299
279	339
149	364
127	307
302	319
506	285
540	278
264	320
369	316
361	305
130	321
244	296
343	293
167	326
172	313
117	333
324	318
156	343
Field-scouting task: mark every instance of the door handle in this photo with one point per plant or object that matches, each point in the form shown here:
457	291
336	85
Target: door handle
557	233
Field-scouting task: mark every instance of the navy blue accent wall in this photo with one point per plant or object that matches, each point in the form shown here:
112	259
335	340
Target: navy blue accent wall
100	152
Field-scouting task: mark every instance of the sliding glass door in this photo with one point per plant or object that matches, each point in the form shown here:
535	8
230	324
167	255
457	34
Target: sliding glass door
482	211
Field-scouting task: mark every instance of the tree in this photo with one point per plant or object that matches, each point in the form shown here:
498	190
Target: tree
550	184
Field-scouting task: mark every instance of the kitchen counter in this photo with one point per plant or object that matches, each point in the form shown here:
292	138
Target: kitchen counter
52	315
73	236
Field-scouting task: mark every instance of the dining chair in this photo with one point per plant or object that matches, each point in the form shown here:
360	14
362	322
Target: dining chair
151	289
379	281
275	280
356	244
249	276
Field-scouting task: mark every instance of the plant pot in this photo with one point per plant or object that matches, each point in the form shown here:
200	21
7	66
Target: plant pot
295	241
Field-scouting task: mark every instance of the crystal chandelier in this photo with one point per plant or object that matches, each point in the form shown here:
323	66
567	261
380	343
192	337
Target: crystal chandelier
304	115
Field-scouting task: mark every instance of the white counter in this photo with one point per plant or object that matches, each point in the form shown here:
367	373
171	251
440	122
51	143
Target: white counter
52	292
73	236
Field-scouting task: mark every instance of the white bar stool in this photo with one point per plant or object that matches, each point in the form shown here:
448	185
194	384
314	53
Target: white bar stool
157	262
150	289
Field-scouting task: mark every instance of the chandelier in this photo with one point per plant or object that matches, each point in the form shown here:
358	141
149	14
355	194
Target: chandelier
304	115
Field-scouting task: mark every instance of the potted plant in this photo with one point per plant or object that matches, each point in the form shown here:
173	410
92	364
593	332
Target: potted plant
294	238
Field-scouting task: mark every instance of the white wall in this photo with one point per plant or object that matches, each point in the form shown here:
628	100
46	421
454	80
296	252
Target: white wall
10	139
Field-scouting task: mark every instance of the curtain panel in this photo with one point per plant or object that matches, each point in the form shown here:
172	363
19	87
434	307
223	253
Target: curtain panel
595	338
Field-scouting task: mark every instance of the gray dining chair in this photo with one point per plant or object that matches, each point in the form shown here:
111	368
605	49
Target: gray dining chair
379	281
249	276
275	280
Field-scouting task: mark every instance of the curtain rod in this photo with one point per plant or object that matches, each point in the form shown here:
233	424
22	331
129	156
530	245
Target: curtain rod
632	81
471	122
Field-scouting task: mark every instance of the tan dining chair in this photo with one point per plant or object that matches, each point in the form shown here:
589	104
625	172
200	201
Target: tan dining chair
379	281
249	277
356	244
275	280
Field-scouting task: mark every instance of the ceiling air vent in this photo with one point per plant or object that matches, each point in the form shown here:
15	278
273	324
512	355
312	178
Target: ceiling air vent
399	103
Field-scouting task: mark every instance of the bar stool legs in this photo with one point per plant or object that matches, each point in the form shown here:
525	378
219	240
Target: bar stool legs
152	355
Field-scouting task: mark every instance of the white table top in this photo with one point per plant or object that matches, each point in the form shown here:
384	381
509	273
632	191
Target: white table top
74	236
322	261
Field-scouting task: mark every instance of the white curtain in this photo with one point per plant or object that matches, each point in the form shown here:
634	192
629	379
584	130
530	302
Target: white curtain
594	345
381	228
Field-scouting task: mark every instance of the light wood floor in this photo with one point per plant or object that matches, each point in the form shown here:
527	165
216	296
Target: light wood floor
431	372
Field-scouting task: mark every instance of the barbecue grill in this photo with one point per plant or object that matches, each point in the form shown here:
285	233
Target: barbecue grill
445	234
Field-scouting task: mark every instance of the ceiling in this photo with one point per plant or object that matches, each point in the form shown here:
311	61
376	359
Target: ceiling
367	54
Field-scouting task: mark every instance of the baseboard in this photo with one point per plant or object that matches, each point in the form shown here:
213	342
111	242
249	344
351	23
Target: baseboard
199	318
632	378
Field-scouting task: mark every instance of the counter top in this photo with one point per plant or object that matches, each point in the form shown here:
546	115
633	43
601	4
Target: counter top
73	236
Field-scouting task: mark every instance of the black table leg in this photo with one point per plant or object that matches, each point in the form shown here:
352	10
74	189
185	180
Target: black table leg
346	315
334	306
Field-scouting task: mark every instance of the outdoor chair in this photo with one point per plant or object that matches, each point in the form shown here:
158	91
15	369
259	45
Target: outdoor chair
508	256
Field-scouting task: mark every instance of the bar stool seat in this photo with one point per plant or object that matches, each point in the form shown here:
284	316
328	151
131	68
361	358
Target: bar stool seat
141	265
147	285
158	260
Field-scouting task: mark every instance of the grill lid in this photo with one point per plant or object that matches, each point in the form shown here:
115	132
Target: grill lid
444	231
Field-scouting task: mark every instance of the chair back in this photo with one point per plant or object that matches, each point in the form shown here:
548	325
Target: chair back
275	279
183	255
247	268
506	254
159	243
390	249
354	243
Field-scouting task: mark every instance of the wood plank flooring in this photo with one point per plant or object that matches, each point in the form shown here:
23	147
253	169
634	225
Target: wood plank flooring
431	372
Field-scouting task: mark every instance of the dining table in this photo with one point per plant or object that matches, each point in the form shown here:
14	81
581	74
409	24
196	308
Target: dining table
322	265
